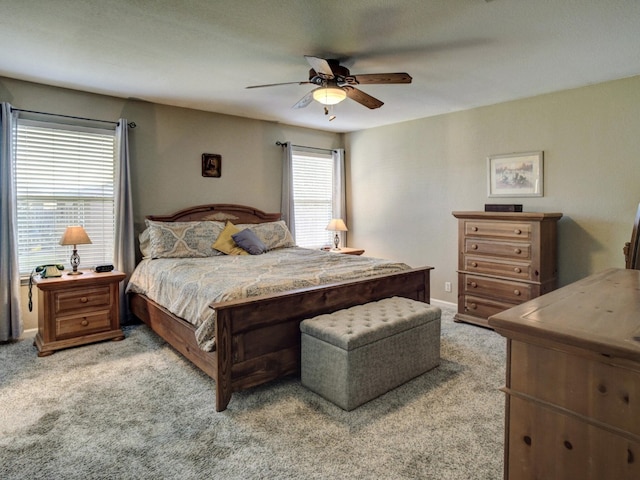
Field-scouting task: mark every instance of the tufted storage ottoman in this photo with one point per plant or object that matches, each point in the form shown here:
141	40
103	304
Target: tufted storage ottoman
355	355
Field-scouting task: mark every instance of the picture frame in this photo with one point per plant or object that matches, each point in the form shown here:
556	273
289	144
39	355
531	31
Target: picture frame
211	165
516	175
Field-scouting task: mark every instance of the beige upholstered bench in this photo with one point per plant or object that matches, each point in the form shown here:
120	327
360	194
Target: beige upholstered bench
355	355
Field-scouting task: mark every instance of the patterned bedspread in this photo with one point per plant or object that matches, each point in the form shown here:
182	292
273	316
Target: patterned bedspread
186	286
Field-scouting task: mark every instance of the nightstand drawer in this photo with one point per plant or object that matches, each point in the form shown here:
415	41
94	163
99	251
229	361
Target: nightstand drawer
82	325
68	301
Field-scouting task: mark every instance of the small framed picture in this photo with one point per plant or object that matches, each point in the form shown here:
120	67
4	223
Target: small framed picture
211	165
515	175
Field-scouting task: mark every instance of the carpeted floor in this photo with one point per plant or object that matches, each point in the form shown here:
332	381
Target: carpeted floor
136	409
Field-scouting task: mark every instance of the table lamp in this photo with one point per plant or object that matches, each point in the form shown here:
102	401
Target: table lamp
75	235
336	225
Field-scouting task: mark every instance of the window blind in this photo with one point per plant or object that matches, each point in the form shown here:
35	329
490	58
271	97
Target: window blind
313	198
64	176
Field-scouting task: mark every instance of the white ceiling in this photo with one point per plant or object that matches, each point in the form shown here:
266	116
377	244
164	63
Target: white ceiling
203	53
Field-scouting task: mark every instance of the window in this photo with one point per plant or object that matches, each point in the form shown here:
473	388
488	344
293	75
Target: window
64	176
313	188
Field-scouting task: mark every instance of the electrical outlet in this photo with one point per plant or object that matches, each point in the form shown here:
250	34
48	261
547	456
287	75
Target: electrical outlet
447	286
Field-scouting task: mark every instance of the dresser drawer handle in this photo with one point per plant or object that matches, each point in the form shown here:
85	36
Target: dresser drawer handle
473	285
474	264
84	299
84	322
517	251
629	456
517	231
473	306
516	292
474	229
517	270
474	247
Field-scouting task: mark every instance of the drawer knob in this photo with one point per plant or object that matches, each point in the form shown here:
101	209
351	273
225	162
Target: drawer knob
517	231
474	247
474	229
474	264
473	284
517	270
517	251
473	306
567	445
527	439
84	299
84	322
516	292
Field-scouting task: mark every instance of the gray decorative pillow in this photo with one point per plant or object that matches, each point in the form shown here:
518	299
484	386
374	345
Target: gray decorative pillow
272	234
249	241
182	239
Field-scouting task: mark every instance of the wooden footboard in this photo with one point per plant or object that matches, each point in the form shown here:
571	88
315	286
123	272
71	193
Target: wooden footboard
258	339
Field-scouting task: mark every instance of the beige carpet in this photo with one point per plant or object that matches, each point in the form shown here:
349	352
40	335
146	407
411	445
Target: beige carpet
136	409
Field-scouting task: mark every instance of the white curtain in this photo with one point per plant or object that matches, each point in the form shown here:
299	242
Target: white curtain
124	246
339	191
11	326
287	210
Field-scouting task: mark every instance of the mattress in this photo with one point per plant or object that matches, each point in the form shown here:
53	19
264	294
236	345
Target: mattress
187	286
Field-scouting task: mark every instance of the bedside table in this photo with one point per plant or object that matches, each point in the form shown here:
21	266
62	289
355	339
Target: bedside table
349	251
77	309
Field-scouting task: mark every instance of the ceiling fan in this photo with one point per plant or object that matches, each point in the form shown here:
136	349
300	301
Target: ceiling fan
335	83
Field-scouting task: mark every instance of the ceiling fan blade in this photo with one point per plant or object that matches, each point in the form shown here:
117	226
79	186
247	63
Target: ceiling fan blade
362	98
277	84
306	100
371	78
320	65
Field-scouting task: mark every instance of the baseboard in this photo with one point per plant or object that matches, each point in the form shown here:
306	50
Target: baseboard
442	303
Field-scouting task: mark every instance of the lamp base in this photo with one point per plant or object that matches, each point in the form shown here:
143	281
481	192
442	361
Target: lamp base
75	273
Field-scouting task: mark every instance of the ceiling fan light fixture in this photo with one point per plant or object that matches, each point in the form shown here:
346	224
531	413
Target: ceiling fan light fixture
329	95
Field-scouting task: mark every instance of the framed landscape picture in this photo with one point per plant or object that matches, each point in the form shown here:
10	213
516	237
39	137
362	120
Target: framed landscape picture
515	175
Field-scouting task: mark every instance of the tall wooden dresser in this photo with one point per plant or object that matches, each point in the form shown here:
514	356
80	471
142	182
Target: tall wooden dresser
573	381
504	259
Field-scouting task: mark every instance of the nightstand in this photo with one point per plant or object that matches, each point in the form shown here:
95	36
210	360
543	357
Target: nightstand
77	309
349	251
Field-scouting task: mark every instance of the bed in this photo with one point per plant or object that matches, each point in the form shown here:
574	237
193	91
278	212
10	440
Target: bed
256	339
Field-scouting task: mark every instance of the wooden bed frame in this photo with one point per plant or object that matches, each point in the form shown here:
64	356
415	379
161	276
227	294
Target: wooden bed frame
258	339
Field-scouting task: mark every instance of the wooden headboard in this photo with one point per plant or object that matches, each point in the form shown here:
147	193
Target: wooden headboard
220	212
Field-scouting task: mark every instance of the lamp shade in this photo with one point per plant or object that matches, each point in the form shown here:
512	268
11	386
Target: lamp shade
337	225
75	235
329	95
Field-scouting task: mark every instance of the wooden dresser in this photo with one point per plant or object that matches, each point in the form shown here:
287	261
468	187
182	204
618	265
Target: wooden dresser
504	259
573	381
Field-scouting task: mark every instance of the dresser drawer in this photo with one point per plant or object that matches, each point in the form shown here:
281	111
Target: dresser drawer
503	289
79	325
504	230
513	250
483	307
505	268
73	300
543	444
587	387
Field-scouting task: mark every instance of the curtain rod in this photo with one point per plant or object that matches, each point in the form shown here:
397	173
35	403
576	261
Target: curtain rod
130	124
282	144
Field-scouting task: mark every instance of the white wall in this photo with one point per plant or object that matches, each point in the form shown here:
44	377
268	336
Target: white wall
409	177
166	149
404	180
